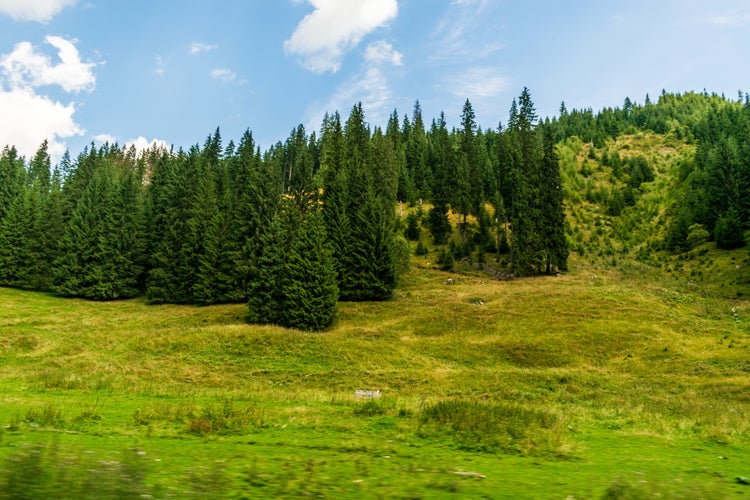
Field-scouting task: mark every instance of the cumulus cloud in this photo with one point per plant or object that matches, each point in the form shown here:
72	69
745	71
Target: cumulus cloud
105	138
198	47
29	118
34	10
141	144
382	52
335	27
27	67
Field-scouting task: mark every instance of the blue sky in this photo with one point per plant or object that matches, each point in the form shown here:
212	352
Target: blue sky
76	71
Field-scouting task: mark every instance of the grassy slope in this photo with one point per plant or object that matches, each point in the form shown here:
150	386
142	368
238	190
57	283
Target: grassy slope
595	382
627	376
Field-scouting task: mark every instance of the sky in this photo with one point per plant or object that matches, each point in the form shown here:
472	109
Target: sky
81	71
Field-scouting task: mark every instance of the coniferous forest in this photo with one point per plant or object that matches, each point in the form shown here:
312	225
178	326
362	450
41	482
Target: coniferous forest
315	219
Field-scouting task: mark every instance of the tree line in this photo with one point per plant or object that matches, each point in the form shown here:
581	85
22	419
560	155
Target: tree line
291	230
713	201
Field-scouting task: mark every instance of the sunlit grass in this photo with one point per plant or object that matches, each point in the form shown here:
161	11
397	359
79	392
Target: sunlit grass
518	381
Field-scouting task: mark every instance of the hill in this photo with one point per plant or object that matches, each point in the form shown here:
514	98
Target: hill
577	385
624	377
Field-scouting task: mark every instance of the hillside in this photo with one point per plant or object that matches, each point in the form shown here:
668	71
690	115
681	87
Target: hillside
533	387
623	376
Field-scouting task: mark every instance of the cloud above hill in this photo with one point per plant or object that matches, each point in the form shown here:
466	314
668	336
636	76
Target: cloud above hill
324	36
30	115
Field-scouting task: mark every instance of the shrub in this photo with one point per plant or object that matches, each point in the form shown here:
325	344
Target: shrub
446	260
412	230
697	235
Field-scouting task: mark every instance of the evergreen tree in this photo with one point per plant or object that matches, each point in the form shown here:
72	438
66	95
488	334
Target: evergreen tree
88	263
18	237
295	281
442	160
527	249
310	289
468	195
267	285
172	265
39	168
12	179
416	155
367	270
552	210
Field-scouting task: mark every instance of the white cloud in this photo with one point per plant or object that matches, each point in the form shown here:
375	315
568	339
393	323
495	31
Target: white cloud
29	118
105	138
34	10
223	74
480	83
382	52
141	144
369	86
335	27
198	47
28	67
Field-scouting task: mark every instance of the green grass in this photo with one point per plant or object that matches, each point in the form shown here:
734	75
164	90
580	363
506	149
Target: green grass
584	385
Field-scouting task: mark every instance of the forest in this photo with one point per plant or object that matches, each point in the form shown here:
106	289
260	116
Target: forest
318	218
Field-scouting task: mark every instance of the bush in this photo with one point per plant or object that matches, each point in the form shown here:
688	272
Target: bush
697	235
412	230
421	249
446	260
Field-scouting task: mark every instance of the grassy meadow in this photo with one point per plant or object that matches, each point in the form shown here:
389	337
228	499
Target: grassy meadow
606	382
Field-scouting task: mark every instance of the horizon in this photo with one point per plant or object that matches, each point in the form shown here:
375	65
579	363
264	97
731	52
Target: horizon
75	72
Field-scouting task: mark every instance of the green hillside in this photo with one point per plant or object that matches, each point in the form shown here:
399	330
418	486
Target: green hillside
578	386
626	376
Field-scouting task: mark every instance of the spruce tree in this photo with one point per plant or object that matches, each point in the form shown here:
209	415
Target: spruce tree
310	288
266	288
12	179
88	263
552	210
442	160
172	266
17	238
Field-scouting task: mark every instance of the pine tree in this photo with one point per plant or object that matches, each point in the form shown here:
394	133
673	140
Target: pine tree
39	168
172	263
12	179
268	281
442	165
525	152
310	289
18	237
416	153
366	268
468	195
88	263
552	210
295	281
